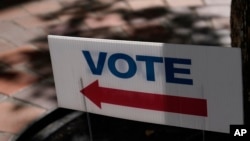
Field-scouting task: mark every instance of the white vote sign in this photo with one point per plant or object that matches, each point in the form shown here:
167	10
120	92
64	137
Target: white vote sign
198	87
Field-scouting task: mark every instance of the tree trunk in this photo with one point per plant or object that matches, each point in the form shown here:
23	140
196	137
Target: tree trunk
240	29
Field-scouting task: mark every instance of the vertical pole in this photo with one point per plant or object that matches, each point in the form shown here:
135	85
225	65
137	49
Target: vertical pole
87	113
240	30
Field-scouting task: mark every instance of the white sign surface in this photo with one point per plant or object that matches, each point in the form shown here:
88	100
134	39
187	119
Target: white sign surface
196	87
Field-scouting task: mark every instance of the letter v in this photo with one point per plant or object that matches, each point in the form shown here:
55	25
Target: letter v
96	70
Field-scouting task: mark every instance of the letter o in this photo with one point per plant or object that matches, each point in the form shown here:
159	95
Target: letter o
131	65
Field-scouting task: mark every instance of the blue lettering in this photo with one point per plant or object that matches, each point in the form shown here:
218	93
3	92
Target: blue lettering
171	70
131	65
149	61
97	70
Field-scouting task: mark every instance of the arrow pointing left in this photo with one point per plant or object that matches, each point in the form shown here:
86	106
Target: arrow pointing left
157	102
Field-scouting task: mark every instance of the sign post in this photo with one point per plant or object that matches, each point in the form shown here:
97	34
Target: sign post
179	85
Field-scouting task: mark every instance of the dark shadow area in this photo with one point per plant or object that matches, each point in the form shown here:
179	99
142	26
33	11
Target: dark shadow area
42	62
174	27
46	86
4	73
74	128
8	3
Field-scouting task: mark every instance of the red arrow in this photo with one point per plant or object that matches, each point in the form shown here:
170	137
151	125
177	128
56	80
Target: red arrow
166	103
